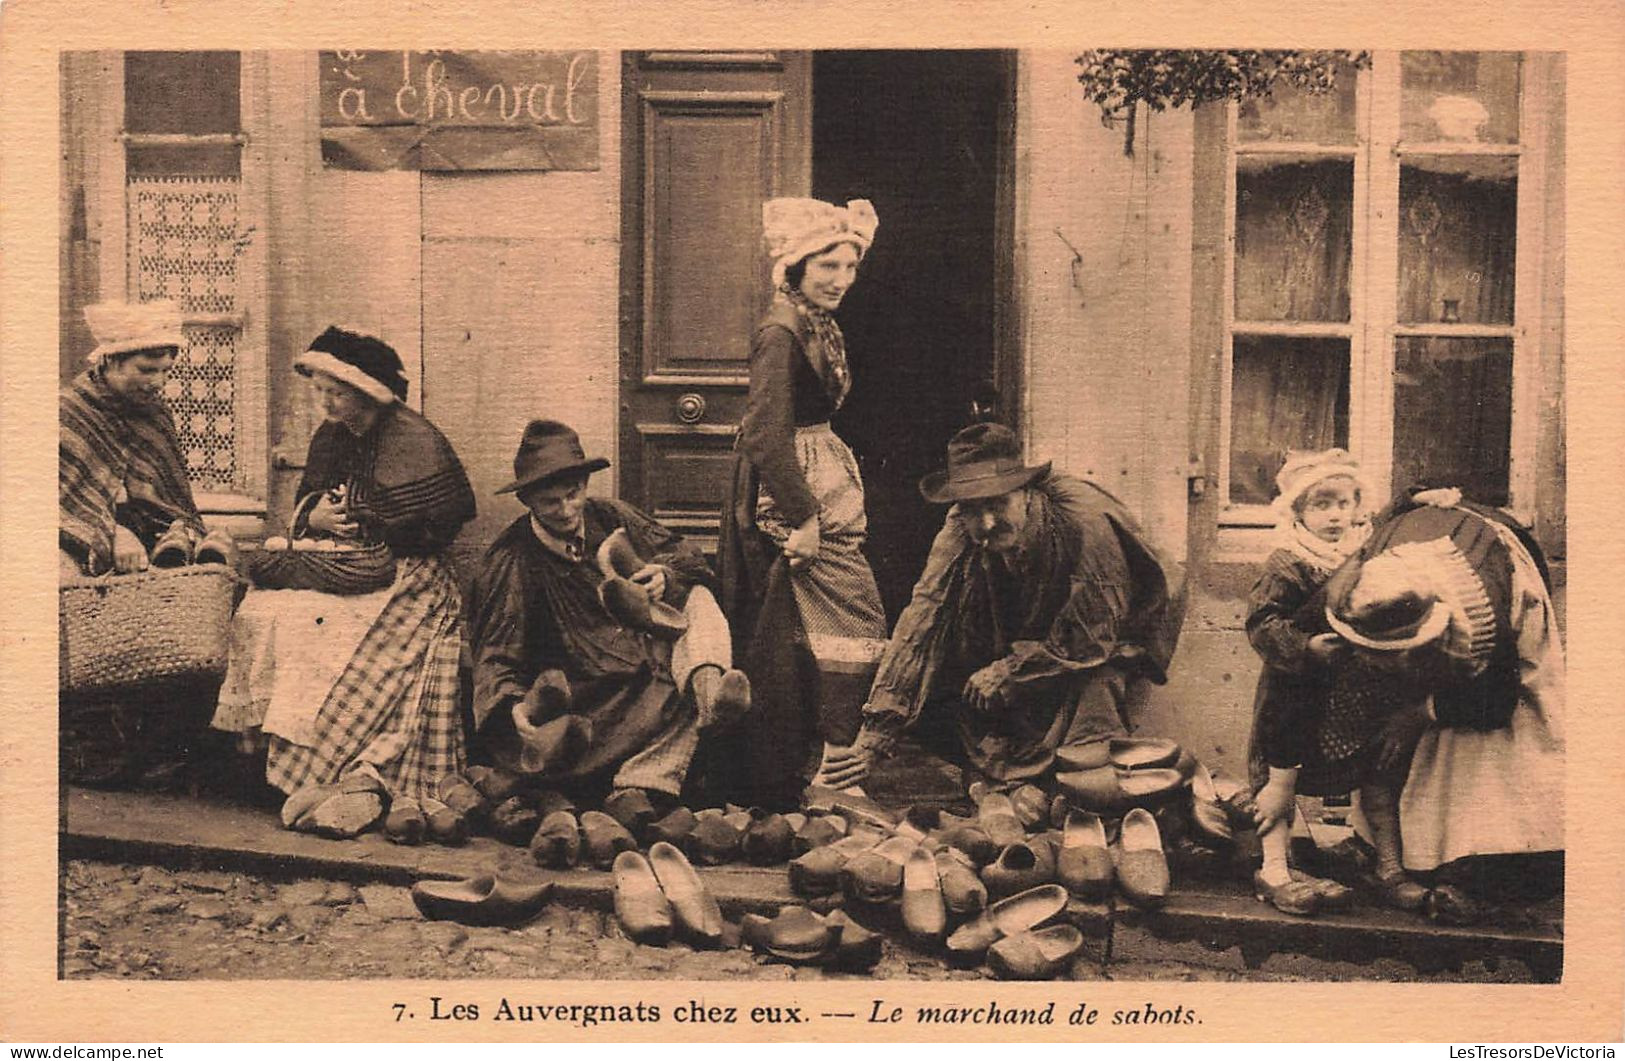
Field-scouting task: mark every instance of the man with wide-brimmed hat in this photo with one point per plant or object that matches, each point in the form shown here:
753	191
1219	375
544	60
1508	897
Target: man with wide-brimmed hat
599	652
1041	614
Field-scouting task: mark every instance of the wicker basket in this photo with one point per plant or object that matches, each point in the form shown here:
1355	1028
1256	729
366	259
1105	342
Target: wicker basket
347	570
129	631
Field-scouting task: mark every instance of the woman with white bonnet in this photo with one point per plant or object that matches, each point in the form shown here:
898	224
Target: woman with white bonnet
354	697
124	497
1455	641
125	504
797	497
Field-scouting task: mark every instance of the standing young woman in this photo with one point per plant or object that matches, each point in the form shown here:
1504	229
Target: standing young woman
800	593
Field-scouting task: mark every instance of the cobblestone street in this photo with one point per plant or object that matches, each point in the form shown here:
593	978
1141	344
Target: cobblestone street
145	922
130	921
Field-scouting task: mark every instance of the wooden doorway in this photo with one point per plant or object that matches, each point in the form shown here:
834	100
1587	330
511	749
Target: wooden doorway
927	136
706	138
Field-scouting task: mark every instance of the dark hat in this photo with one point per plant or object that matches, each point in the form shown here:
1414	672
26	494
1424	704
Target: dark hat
984	460
549	450
369	365
1384	604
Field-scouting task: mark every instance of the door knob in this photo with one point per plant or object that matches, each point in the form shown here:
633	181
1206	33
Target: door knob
690	408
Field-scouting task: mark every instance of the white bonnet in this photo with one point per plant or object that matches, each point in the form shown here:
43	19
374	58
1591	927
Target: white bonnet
793	228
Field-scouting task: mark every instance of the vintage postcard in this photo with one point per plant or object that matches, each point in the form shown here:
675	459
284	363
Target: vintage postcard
879	522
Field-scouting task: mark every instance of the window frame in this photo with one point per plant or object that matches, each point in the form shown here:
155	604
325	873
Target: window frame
1378	151
251	382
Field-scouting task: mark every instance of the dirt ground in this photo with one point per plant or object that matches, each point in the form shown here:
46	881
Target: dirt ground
144	922
127	921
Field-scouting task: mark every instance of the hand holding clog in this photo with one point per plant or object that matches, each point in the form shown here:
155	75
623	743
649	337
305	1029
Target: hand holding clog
652	579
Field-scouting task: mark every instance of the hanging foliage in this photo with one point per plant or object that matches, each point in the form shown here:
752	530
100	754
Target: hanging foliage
1118	81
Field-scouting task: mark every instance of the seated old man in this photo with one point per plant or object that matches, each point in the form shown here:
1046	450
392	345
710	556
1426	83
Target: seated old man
599	652
1042	613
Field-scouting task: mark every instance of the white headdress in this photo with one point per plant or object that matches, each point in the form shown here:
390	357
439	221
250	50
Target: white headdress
795	228
123	327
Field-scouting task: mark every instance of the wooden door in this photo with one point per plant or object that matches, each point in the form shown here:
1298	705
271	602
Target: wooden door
707	137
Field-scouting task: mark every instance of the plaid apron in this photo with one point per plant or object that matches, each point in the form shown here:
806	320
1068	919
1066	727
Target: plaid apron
395	704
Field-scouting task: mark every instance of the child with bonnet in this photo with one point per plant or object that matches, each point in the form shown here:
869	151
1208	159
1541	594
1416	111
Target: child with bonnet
1320	523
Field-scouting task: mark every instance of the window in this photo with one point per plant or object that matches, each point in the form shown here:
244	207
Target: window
1379	287
182	198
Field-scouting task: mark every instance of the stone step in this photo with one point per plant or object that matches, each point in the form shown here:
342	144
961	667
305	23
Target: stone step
1204	923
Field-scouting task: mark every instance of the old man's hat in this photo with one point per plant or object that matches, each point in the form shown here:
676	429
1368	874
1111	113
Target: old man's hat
984	460
549	451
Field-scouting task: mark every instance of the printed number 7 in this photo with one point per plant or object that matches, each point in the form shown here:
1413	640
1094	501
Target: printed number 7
399	1008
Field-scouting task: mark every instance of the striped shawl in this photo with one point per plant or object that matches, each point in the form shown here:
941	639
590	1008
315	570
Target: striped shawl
406	486
118	463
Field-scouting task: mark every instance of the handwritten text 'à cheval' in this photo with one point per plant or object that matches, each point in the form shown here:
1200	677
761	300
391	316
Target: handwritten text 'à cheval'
431	97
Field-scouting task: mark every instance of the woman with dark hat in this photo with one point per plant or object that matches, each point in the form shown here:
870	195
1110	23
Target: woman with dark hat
797	588
355	697
1451	702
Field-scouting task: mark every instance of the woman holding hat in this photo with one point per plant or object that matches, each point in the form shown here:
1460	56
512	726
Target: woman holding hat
1455	654
355	697
796	494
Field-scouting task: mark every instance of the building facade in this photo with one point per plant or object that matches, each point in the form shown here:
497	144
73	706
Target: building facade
1379	267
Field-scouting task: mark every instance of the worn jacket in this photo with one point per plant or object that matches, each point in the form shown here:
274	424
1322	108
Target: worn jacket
531	609
786	392
1085	588
407	488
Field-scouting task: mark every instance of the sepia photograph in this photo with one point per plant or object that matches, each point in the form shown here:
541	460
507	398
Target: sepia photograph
821	517
821	624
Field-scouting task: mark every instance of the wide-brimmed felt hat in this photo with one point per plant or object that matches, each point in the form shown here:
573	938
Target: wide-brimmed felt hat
549	450
984	460
128	327
1384	604
366	363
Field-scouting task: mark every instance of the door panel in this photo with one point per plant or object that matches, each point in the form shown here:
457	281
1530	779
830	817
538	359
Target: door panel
708	138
